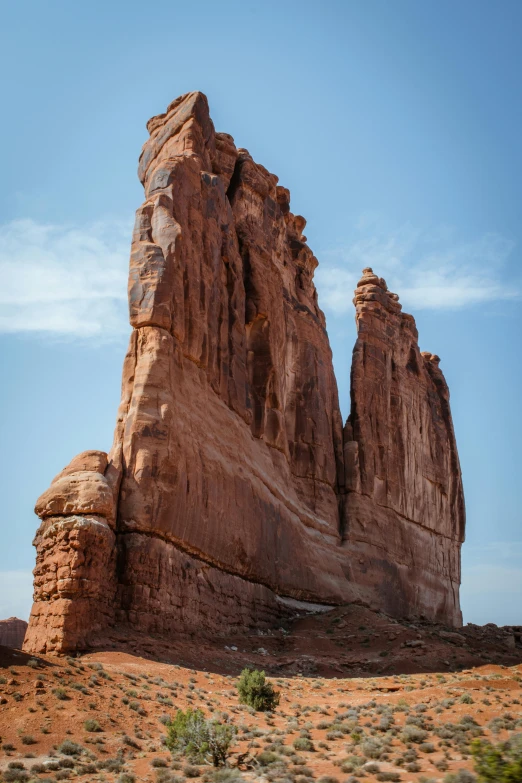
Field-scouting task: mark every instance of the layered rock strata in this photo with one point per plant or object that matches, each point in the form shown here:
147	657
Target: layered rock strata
231	489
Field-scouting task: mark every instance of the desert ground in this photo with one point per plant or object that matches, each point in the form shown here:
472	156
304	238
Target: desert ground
361	696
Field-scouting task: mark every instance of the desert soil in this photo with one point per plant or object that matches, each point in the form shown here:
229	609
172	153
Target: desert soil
371	706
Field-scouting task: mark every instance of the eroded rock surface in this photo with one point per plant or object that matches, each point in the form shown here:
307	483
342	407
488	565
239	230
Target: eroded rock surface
75	574
403	514
230	485
12	632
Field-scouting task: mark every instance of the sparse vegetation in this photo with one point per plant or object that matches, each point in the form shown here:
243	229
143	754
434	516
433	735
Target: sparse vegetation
70	748
256	692
92	725
199	739
500	763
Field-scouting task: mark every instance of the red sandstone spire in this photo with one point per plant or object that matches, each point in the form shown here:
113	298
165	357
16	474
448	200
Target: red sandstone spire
228	488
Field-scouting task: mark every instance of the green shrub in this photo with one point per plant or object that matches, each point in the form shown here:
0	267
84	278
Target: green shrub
413	734
267	757
255	691
70	748
200	739
15	776
462	776
92	725
500	763
303	743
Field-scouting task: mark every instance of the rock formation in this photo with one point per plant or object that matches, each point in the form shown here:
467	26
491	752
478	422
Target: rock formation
403	512
12	632
231	489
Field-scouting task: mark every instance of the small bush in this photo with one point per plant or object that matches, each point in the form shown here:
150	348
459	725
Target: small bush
60	693
111	765
413	734
28	739
303	743
498	763
89	769
267	757
92	725
462	776
200	739
191	772
15	776
256	692
69	748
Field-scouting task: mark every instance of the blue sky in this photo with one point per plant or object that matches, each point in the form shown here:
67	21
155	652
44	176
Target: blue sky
396	127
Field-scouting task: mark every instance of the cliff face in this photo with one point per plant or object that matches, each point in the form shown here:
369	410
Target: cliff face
230	487
403	514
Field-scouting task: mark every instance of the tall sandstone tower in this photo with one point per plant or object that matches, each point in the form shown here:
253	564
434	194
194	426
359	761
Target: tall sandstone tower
232	488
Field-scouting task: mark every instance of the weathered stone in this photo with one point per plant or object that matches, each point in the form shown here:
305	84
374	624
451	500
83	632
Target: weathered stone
230	485
12	632
82	492
95	461
404	508
74	583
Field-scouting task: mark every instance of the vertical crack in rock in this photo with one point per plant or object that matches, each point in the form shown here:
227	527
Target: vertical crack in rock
231	483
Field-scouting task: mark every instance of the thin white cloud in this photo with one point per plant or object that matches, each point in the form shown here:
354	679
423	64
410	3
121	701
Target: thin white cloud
16	594
428	269
64	281
70	281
